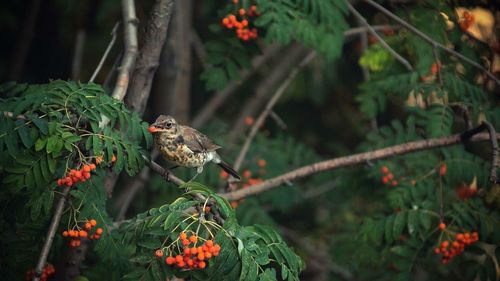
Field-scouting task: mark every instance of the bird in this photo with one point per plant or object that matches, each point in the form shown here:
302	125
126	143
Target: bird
184	146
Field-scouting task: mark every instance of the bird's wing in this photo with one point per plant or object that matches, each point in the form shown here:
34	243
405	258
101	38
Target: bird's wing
197	141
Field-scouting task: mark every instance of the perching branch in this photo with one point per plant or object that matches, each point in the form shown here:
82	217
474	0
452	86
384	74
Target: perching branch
106	52
164	172
354	159
263	115
379	38
429	40
130	49
42	260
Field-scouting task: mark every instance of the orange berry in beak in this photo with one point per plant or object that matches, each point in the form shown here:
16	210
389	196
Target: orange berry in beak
152	129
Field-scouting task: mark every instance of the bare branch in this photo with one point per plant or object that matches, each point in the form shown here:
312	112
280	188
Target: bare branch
42	260
430	40
379	38
220	97
106	52
149	55
351	160
163	172
266	88
263	115
130	49
76	65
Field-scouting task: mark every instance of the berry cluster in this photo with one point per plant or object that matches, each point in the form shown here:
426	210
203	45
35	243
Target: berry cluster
76	235
74	176
466	21
48	270
388	177
191	257
449	249
242	27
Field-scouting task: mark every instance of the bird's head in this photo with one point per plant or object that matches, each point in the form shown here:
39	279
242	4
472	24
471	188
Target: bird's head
164	124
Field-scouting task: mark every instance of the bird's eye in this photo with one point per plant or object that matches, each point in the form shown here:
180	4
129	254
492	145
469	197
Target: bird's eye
169	125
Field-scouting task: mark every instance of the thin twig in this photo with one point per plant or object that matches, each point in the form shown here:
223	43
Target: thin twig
379	38
106	52
130	49
42	260
351	160
263	115
430	40
278	120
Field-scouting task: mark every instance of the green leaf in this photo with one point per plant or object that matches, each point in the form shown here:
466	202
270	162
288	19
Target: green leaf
40	144
412	221
399	224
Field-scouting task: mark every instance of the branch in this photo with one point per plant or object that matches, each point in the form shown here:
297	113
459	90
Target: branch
351	160
430	40
149	55
130	49
382	42
106	52
42	260
266	87
76	64
220	97
262	117
164	172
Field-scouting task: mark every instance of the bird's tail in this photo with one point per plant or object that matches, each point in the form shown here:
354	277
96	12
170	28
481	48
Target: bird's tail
229	170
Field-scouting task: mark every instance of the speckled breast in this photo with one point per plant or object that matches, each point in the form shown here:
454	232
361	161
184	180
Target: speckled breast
181	155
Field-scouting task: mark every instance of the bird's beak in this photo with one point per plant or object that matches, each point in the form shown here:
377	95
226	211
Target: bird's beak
152	129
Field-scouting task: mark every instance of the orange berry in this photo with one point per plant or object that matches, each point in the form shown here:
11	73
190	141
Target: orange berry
208	255
223	175
169	260
390	176
187	251
65	234
113	159
99	159
442	170
216	248
193	239
232	18
88	226
235	1
253	8
225	21
442	226
384	170
98	231
82	233
385	180
247	174
209	243
86	168
92	166
242	12
97	236
455	244
445	244
437	251
179	258
249	121
183	235
261	163
78	174
69	182
201	256
244	23
459	236
159	253
194	250
185	242
152	129
202	265
181	264
190	262
93	222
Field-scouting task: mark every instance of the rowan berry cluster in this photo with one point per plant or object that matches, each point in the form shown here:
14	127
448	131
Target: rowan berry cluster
191	256
74	176
77	234
449	249
242	26
388	177
466	21
47	271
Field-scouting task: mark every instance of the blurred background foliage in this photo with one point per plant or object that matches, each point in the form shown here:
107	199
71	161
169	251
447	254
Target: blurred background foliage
330	110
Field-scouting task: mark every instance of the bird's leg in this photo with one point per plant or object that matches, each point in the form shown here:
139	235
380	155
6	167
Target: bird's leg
199	170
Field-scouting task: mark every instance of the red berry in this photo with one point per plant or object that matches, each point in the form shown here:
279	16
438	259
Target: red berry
442	226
